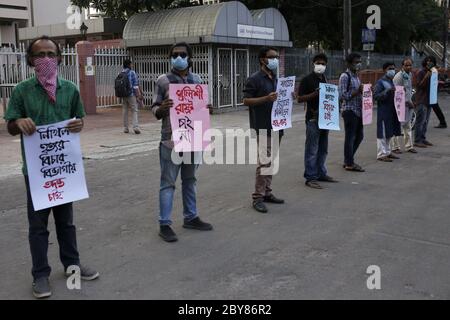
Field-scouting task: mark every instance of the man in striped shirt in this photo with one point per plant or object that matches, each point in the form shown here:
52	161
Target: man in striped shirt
350	92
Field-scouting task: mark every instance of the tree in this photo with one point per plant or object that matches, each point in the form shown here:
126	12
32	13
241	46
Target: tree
320	21
124	9
403	21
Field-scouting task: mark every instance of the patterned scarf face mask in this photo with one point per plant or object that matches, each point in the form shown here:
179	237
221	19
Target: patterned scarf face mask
46	70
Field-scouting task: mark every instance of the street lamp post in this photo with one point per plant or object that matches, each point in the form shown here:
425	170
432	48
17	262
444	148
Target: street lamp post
83	30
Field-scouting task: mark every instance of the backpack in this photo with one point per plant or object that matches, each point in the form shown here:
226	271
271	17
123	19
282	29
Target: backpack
349	81
122	85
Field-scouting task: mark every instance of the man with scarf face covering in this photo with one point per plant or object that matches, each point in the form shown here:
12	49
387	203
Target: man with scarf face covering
180	56
42	100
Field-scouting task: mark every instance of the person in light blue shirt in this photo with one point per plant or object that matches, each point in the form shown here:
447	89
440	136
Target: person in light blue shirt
131	101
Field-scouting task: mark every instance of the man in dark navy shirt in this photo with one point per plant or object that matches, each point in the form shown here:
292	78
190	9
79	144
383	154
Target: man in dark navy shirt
259	96
316	146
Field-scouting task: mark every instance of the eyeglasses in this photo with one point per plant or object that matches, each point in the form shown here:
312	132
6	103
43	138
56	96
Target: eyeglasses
49	54
273	57
180	54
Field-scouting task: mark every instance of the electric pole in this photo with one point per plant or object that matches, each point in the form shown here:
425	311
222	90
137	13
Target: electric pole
347	26
445	33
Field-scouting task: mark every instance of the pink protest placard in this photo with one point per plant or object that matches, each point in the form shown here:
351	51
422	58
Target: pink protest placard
399	100
189	117
367	104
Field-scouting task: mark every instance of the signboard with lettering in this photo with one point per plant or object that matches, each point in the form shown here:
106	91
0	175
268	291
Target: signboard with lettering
282	107
55	166
255	32
189	117
328	106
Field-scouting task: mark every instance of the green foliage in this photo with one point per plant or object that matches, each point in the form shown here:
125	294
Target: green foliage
320	21
402	21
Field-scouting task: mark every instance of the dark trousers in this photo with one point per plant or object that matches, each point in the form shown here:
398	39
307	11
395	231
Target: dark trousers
423	113
316	151
438	111
354	135
38	236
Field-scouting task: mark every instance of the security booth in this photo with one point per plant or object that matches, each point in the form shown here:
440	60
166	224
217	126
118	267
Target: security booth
225	39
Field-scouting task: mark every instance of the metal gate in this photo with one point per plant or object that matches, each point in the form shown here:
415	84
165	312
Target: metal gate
225	77
241	74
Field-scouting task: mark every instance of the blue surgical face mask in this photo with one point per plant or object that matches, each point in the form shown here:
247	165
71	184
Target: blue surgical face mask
273	64
180	63
390	73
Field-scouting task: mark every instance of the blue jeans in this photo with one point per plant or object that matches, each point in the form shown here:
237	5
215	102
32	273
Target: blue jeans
169	174
316	151
423	113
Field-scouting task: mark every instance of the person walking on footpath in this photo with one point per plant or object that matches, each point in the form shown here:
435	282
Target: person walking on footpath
404	78
181	60
316	144
44	99
387	121
259	96
127	87
350	92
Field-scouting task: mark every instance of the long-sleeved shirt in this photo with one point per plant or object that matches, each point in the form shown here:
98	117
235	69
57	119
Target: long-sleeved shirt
161	94
422	95
345	92
404	79
133	78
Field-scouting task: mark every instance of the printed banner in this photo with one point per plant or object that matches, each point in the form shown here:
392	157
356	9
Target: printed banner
367	104
282	107
189	117
55	166
328	107
434	88
400	103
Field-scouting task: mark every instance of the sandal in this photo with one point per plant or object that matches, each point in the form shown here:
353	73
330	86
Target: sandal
355	167
313	184
385	159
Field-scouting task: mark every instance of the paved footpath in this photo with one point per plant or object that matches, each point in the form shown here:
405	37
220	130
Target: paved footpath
316	246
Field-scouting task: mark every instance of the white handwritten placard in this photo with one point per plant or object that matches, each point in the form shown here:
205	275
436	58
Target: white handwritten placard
55	166
189	117
282	107
328	107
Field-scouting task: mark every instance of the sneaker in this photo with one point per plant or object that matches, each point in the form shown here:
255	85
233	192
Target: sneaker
259	206
197	224
41	288
273	199
137	131
167	234
126	130
87	274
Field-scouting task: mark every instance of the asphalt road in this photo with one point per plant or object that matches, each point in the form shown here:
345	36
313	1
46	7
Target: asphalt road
316	246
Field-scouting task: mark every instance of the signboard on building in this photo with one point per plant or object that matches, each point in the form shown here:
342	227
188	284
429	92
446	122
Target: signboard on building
255	32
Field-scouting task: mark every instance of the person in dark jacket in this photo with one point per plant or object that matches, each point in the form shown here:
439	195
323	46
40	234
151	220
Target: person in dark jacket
387	121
